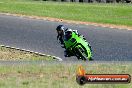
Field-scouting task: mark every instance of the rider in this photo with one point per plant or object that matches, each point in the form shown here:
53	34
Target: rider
62	31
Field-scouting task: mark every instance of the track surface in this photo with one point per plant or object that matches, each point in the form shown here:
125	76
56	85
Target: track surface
40	36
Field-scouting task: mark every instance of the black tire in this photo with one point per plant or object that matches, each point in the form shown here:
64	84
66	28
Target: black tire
91	59
82	55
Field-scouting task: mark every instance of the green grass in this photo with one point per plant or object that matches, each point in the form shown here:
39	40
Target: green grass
119	14
58	75
12	54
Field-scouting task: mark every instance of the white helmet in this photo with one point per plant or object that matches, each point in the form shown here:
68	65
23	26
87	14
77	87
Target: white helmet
68	30
68	33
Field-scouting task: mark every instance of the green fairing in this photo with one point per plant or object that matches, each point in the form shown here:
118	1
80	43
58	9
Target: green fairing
77	42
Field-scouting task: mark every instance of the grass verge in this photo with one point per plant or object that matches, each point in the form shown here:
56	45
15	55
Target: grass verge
119	14
58	75
12	54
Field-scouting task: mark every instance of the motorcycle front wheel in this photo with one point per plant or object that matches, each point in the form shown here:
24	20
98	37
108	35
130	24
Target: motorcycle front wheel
81	54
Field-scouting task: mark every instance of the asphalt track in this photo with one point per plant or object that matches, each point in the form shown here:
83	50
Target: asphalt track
40	36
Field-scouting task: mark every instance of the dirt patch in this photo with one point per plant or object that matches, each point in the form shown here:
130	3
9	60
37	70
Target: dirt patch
72	21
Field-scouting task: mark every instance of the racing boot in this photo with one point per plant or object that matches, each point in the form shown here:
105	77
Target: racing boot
66	53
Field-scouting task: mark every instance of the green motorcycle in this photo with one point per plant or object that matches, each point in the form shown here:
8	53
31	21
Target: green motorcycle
77	46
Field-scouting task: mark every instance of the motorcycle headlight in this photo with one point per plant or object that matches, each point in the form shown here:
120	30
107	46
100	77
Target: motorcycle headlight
73	40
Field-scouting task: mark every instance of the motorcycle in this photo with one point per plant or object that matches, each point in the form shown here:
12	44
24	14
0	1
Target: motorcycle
78	47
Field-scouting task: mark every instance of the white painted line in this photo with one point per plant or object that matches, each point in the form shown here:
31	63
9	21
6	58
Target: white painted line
17	48
48	55
13	47
36	52
23	49
43	54
27	50
40	53
2	45
57	58
54	57
7	46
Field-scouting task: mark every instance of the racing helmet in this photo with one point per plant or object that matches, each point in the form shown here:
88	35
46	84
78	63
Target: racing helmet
60	28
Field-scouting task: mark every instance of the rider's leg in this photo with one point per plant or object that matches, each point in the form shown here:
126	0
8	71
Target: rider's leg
62	42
